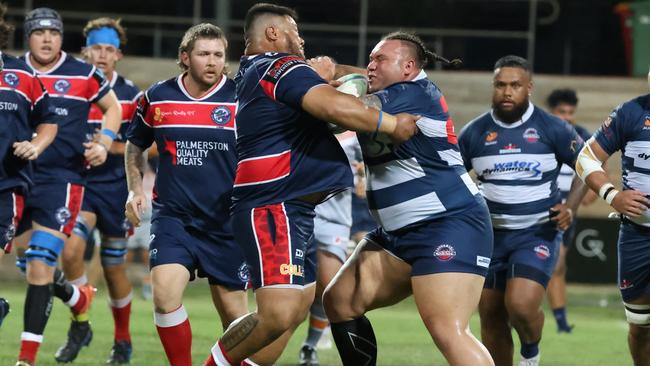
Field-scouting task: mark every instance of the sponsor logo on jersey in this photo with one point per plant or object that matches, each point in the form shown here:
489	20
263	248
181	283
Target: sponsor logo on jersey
531	135
300	253
625	284
491	138
444	252
153	253
646	123
510	149
514	167
8	106
482	261
643	156
157	114
192	153
62	86
243	273
542	251
11	79
291	269
62	215
220	115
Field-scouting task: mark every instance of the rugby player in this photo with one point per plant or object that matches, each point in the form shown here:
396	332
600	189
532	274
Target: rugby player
434	238
516	150
52	205
562	103
627	129
103	201
288	161
191	118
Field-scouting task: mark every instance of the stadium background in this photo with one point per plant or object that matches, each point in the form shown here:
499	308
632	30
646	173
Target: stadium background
585	45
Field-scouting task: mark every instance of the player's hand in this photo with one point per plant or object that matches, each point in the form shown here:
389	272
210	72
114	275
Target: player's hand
95	153
135	206
631	203
405	128
324	66
25	150
562	216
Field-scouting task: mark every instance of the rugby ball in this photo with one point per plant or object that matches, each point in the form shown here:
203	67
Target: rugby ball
353	84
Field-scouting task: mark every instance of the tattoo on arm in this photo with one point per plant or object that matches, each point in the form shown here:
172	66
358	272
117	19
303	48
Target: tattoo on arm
371	100
240	331
134	163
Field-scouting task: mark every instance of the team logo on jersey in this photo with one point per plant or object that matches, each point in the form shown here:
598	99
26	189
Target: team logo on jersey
62	215
491	138
444	252
62	86
11	79
157	114
220	115
542	251
625	284
243	273
510	149
10	233
531	135
646	123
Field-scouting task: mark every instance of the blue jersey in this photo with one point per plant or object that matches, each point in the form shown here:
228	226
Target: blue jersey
424	178
24	104
196	141
566	175
283	152
517	164
127	94
628	129
72	85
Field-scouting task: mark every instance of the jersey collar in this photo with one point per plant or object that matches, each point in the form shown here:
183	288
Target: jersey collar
524	118
52	69
421	75
208	94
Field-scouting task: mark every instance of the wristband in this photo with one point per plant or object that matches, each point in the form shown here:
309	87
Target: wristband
602	192
381	117
109	133
609	196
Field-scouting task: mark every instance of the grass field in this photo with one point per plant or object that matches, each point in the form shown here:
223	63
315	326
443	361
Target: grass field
598	339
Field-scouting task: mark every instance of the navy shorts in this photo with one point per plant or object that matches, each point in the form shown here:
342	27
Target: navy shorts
529	253
461	242
106	200
633	260
53	205
277	240
217	258
362	221
11	211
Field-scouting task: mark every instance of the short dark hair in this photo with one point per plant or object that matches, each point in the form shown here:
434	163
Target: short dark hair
423	55
513	61
562	96
265	8
5	28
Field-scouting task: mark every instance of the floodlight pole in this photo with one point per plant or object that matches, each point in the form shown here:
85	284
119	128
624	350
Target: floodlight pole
363	33
532	25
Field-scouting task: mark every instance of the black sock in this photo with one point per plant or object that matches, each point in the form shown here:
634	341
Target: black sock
38	305
62	288
356	342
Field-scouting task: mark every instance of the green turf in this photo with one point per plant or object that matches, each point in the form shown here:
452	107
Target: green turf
598	339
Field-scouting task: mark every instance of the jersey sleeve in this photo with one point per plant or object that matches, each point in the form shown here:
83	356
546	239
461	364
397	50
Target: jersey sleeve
567	144
42	109
464	145
288	79
140	132
98	86
611	134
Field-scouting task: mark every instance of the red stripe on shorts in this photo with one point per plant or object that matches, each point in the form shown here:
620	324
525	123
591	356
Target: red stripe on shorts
273	253
75	197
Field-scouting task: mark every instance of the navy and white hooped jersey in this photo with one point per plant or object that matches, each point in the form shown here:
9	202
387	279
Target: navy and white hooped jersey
72	85
517	164
24	103
566	175
424	178
283	152
127	94
628	129
196	141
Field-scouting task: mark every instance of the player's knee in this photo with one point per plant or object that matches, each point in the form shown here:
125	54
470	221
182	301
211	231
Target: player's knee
113	252
638	315
279	317
443	332
165	300
521	311
340	307
44	247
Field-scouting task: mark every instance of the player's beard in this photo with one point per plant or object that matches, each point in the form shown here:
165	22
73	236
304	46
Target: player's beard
513	115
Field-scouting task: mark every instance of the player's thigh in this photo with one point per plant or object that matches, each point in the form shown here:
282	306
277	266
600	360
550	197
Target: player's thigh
328	265
371	278
230	303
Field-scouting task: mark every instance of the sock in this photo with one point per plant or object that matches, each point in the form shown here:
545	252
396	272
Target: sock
121	309
355	341
218	357
560	319
529	350
175	335
317	323
38	305
62	288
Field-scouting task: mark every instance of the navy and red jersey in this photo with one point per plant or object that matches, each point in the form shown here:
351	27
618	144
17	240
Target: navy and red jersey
72	85
283	152
196	141
127	94
24	104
